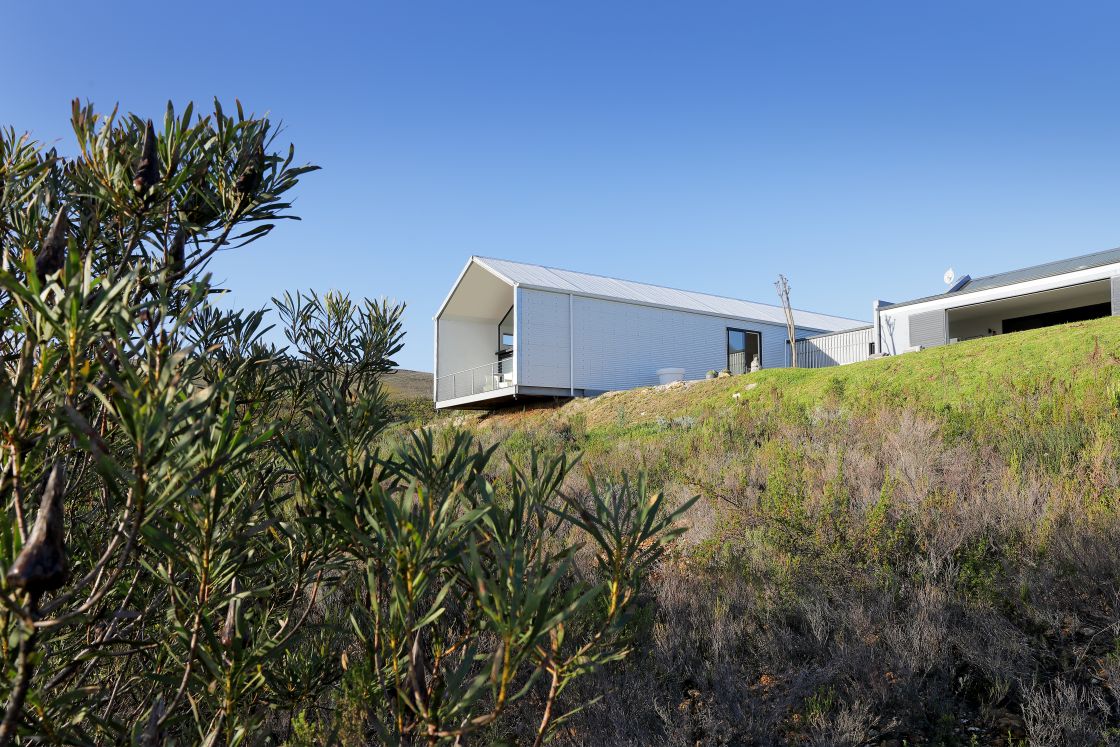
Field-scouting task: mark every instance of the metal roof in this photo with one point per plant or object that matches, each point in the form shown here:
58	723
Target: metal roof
1037	272
585	284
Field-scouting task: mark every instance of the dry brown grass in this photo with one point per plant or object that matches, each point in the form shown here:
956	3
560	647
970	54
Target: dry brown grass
858	580
405	384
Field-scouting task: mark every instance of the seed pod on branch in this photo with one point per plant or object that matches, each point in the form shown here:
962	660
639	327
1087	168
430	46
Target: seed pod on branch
229	630
42	565
176	253
147	174
251	164
52	254
417	673
200	206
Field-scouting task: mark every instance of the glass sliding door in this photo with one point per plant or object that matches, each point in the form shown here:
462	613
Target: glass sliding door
742	346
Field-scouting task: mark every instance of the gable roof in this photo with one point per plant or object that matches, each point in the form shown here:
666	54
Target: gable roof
539	277
1035	272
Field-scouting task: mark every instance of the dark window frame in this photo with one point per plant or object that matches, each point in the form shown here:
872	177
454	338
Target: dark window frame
502	321
727	346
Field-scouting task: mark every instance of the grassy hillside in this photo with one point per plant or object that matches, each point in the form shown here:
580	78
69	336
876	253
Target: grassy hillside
410	396
405	384
915	550
983	378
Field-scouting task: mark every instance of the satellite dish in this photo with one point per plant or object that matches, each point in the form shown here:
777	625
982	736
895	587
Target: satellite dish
950	276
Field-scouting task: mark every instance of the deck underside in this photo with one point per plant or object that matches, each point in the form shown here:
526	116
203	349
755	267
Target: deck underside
511	396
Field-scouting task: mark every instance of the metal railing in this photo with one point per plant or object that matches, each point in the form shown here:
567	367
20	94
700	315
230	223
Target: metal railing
485	378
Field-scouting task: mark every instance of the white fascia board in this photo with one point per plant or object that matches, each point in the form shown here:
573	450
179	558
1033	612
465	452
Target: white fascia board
650	304
472	261
1053	282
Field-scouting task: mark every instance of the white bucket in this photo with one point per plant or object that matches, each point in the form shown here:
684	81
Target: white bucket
669	375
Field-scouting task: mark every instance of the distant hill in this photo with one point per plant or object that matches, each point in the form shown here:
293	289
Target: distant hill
405	384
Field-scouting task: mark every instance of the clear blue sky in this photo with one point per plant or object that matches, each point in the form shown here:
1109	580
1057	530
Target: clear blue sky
859	147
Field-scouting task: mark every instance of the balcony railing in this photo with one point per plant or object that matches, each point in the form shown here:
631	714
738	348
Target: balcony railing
486	378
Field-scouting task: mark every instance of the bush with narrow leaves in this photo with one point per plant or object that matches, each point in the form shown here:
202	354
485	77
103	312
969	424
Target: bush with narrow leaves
205	538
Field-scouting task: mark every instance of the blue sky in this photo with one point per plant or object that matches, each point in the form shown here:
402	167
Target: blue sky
860	148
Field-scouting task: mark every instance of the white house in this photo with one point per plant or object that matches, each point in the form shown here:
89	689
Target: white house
511	331
1068	290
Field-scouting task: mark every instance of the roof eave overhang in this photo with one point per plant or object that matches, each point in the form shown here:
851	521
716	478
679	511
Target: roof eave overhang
459	280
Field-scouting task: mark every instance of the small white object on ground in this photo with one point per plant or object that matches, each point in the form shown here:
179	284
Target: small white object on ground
669	375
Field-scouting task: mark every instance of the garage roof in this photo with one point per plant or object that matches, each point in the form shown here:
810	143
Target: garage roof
1037	272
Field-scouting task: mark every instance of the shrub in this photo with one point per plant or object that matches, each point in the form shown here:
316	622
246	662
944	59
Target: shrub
206	538
871	573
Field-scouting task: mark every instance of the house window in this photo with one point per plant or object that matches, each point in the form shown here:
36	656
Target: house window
742	346
505	342
505	333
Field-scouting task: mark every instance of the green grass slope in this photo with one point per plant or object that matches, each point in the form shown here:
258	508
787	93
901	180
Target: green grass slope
1057	372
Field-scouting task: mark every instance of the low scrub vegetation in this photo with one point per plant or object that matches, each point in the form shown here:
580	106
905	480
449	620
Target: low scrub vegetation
205	538
875	560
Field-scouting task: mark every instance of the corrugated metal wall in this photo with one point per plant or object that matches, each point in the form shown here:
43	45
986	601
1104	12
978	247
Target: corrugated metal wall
621	345
836	349
1116	295
543	349
929	329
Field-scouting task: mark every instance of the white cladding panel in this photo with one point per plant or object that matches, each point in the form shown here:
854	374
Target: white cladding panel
620	345
543	339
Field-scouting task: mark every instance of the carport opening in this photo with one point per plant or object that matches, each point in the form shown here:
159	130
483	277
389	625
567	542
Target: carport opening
1050	318
1075	303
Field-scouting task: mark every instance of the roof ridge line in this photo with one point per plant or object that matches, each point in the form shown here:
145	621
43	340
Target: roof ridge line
662	287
